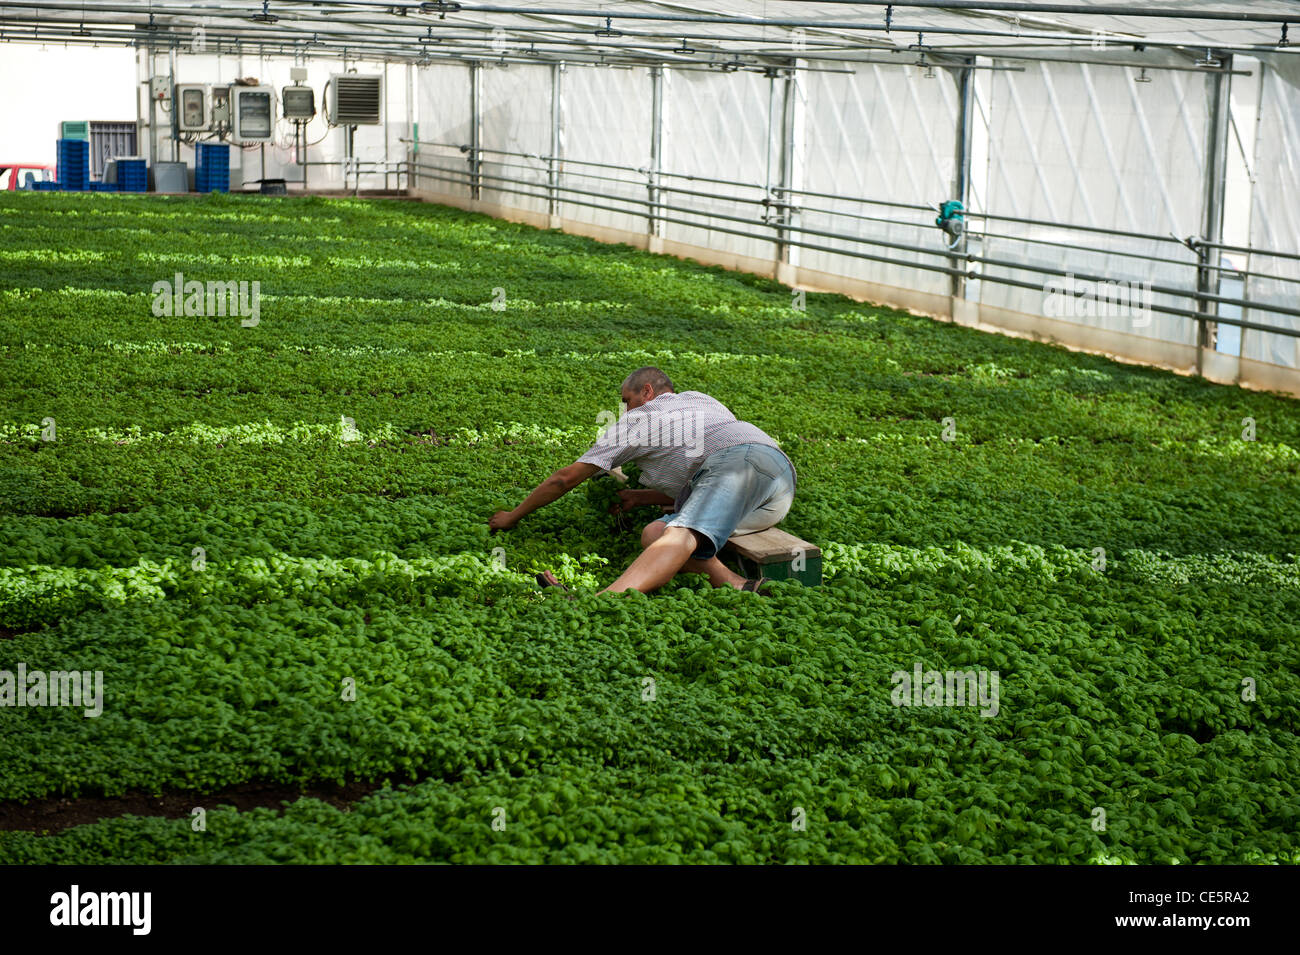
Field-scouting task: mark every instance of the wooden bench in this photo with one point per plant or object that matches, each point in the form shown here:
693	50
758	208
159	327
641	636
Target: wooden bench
777	555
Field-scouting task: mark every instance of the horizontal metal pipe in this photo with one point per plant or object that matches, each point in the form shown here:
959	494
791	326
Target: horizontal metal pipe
604	11
289	12
265	35
942	253
1161	289
970	214
1190	292
849	253
1129	11
923	226
1251	249
662	218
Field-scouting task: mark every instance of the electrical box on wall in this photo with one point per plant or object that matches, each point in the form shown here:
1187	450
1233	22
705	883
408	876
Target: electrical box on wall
193	108
221	106
160	87
252	113
298	102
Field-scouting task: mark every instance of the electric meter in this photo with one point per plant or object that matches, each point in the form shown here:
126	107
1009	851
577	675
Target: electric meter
298	102
251	109
191	105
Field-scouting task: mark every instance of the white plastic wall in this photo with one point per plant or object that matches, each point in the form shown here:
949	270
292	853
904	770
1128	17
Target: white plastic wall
719	126
515	117
1065	144
880	132
1090	145
606	119
443	121
1275	213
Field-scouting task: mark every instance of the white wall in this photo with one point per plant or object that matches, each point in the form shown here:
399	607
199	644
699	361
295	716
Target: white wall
47	84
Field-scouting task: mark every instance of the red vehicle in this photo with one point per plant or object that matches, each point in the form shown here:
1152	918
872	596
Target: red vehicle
20	175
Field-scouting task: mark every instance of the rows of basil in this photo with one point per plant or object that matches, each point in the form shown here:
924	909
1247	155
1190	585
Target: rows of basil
368	560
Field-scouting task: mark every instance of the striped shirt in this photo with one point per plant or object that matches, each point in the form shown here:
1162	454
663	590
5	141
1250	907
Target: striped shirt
669	437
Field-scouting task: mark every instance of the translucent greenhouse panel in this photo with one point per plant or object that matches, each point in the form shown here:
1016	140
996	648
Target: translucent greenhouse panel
1275	215
1100	146
606	119
443	115
886	134
515	117
396	130
720	126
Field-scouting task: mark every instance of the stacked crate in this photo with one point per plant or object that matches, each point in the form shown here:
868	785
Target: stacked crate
212	167
74	164
132	176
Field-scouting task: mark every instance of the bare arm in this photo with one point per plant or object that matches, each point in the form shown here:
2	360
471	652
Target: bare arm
554	487
644	497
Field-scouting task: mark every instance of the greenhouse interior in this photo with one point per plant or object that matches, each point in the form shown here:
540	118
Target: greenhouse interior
1150	150
1008	288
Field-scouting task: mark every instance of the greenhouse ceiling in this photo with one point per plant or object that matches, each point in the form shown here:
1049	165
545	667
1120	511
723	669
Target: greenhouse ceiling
724	35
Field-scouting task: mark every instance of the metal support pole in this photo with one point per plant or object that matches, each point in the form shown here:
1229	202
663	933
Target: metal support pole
1216	161
386	99
144	64
411	132
791	168
475	105
653	225
557	140
1265	70
961	166
171	93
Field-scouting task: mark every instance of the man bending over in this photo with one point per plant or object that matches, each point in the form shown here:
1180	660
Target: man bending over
720	476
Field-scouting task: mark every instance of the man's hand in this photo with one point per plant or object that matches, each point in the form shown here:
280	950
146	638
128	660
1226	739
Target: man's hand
628	499
632	498
555	486
502	521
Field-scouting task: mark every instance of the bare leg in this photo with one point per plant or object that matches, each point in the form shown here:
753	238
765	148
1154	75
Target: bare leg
658	563
718	573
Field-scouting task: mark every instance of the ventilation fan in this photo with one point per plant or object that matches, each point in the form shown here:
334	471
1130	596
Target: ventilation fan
354	99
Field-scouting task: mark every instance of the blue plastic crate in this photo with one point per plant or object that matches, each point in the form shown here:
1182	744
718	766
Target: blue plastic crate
212	167
103	187
132	175
74	164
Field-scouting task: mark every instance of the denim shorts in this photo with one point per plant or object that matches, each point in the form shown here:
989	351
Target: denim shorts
738	490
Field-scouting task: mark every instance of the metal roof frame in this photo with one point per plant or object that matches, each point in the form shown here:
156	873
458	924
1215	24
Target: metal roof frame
705	34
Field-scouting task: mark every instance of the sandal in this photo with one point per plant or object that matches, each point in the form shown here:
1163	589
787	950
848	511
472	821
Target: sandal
756	586
549	584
